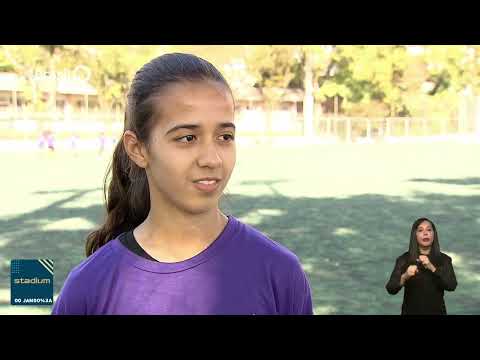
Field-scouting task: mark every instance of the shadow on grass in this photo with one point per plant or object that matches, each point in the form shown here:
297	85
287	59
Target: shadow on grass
30	236
269	183
347	246
76	191
466	181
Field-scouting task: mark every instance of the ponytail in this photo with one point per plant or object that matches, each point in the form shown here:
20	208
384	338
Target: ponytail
127	200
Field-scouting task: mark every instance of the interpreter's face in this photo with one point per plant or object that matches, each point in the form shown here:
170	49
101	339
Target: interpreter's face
191	147
425	234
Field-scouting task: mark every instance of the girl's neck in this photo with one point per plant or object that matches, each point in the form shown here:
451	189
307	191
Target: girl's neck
177	236
175	225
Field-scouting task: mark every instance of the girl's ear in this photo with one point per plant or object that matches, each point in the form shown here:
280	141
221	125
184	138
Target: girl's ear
135	149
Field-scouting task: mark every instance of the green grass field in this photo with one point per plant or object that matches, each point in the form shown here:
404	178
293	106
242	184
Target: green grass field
345	210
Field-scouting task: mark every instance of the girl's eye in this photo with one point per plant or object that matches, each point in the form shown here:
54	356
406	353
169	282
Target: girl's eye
227	137
186	139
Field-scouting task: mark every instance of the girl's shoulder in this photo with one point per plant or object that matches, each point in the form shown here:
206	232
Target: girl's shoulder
91	273
260	244
97	263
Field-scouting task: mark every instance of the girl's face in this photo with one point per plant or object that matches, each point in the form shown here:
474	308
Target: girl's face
191	152
425	234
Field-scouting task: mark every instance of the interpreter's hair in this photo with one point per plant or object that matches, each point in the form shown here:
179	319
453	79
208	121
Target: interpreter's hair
128	198
413	251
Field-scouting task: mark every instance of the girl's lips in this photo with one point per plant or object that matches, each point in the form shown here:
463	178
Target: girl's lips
207	186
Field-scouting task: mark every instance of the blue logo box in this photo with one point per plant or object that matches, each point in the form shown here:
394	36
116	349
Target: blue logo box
31	282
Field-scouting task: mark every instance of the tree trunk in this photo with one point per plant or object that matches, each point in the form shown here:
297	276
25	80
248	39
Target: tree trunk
86	105
53	89
308	99
14	98
270	119
34	92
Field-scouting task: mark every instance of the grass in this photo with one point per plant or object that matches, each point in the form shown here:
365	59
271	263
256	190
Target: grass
345	210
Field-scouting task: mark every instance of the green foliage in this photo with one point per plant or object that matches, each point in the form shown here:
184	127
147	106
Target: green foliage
273	66
403	81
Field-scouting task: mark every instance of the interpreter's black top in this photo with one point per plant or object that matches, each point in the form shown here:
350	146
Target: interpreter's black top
423	294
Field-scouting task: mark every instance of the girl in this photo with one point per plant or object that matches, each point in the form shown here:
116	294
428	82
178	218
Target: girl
165	247
424	271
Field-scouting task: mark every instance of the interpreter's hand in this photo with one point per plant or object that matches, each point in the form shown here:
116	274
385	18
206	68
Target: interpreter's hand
412	270
426	262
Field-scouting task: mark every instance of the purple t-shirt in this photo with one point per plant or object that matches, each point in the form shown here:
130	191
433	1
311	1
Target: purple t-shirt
241	272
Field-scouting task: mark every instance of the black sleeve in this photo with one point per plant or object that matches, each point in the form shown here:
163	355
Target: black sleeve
445	275
393	286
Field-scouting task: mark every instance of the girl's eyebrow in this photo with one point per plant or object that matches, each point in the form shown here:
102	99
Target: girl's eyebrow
227	125
182	126
194	126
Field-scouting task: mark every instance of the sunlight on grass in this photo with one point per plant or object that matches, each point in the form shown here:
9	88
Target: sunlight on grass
257	216
473	276
457	260
271	212
36	222
324	310
4	296
345	211
4	241
69	224
344	231
462	267
355	250
86	200
308	268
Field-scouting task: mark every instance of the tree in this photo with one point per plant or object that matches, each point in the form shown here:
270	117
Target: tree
26	61
55	53
319	68
113	67
271	65
273	70
375	73
455	77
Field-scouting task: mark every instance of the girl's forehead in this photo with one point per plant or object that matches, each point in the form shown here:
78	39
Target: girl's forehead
189	97
190	92
203	103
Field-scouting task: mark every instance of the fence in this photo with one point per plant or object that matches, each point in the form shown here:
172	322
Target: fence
250	123
29	125
356	129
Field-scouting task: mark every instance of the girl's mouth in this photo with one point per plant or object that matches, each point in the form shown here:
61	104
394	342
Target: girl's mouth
207	185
